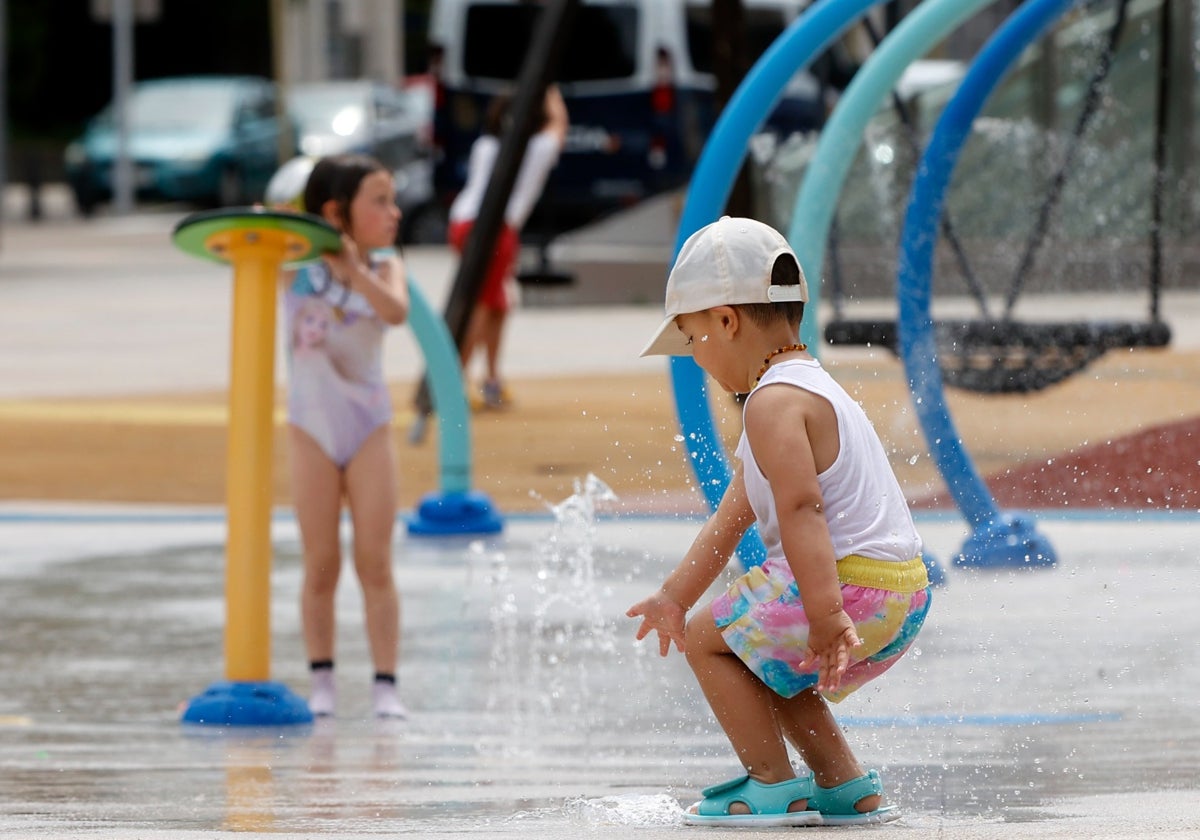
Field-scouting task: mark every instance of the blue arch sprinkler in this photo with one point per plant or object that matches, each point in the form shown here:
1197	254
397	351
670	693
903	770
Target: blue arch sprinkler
454	508
998	539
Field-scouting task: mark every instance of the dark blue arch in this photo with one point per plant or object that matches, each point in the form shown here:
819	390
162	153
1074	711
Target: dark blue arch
998	538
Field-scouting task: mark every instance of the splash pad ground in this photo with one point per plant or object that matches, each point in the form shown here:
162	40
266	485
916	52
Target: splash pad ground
1049	703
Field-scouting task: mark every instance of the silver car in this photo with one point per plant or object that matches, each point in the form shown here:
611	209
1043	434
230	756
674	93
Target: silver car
361	115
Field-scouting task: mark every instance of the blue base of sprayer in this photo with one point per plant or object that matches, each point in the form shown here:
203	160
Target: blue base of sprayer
248	704
934	570
1007	542
442	514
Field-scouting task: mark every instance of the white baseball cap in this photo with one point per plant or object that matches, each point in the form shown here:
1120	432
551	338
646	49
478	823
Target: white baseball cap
727	262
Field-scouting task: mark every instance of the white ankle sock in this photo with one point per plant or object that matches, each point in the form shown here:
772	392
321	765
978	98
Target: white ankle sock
387	703
323	698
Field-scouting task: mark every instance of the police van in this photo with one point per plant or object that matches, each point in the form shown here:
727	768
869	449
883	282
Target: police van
637	79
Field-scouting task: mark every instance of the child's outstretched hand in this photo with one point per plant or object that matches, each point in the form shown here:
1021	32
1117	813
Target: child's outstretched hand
830	641
660	613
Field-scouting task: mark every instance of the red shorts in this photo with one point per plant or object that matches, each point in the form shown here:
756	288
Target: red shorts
496	292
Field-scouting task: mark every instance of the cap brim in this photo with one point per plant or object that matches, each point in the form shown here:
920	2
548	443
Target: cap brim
668	340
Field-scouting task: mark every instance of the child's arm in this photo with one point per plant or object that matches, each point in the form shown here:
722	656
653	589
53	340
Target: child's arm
793	434
385	287
666	609
557	119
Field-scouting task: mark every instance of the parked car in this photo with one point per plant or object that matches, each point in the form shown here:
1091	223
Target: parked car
390	124
211	140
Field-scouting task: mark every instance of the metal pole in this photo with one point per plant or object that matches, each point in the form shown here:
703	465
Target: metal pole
122	40
3	106
286	144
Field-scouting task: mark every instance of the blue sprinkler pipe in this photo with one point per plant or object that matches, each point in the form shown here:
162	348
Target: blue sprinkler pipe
997	539
455	508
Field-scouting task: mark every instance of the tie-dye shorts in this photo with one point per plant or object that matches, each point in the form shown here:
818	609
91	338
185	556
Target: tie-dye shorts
762	620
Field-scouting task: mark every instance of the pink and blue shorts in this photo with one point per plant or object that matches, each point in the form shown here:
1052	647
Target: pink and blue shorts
762	620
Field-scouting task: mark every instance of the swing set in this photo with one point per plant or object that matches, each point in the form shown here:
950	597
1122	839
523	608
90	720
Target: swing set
995	353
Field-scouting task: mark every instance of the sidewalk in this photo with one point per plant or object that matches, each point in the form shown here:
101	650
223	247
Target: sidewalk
115	355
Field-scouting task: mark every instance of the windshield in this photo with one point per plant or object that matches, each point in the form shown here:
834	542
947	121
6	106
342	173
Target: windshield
322	108
603	42
164	107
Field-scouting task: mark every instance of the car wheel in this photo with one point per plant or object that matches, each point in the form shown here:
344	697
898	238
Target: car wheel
425	225
231	188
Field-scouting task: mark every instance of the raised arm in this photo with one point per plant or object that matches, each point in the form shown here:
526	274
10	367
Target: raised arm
384	285
557	120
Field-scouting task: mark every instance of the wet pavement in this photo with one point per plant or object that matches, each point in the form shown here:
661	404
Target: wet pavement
1050	703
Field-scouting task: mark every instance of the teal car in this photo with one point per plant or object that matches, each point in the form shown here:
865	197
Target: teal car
209	140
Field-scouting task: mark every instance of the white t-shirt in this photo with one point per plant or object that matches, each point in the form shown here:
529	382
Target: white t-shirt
541	154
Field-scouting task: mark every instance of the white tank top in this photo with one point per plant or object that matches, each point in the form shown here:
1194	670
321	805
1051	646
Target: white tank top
865	509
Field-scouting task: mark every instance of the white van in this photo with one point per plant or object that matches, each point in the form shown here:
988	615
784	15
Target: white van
637	79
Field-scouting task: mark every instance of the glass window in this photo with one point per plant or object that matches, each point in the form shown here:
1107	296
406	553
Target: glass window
763	26
603	44
171	105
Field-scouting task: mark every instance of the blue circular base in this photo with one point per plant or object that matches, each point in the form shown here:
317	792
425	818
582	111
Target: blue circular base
440	514
248	704
1007	542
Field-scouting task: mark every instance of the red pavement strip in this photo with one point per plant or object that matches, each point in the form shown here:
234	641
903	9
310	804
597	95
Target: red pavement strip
1154	469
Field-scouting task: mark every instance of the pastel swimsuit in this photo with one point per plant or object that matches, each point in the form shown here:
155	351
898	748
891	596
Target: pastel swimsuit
336	391
885	588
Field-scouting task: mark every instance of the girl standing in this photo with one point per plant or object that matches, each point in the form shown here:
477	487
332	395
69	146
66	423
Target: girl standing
339	414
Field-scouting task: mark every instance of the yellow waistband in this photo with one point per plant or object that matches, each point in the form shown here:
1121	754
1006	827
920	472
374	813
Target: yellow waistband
907	577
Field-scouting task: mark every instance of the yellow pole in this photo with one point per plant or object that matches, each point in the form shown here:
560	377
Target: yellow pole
256	242
248	493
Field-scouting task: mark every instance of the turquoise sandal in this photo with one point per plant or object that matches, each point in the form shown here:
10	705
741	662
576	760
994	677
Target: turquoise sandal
836	804
768	804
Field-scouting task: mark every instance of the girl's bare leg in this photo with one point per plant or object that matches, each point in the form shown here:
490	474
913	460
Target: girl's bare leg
474	337
493	334
371	490
741	703
317	498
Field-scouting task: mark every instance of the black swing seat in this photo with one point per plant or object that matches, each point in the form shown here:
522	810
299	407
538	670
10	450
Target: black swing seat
1008	357
545	276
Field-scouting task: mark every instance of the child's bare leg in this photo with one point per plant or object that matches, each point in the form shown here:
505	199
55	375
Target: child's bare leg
317	498
741	703
493	335
812	729
473	338
371	489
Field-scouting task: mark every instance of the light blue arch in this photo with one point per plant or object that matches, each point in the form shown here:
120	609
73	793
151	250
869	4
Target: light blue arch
455	508
842	135
808	36
997	539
